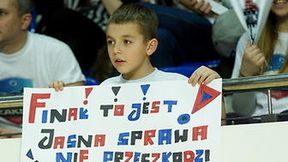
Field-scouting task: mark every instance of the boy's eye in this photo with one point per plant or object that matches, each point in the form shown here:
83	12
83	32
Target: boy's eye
127	42
2	13
110	42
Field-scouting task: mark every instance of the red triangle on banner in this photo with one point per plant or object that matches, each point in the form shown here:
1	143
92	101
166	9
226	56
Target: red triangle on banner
204	97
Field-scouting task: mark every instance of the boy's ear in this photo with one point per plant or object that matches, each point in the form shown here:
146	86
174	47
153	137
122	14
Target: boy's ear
152	46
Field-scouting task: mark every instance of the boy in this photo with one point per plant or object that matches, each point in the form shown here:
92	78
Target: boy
131	40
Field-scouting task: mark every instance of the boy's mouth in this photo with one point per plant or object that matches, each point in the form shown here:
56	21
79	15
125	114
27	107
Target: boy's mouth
119	61
278	2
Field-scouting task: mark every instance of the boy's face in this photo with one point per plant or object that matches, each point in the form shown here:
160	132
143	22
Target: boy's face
128	51
11	23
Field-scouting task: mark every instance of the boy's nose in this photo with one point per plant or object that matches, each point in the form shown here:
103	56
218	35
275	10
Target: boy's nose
117	48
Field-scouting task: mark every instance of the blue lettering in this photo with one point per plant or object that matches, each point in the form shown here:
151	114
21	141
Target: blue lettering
83	113
164	136
108	156
170	104
166	156
123	138
135	112
199	157
71	142
61	158
44	116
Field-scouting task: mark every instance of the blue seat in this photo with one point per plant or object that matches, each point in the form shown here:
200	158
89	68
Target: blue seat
188	68
185	69
33	24
91	81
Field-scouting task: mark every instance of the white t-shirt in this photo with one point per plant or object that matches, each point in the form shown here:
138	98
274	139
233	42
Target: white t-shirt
41	61
279	99
156	75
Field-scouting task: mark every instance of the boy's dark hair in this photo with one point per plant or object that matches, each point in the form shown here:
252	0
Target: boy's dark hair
23	6
137	13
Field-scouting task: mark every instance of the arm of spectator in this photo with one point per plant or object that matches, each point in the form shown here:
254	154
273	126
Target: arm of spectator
6	133
253	61
111	5
199	6
203	75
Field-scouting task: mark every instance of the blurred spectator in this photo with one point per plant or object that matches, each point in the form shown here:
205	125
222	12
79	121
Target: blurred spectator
226	28
84	36
29	59
268	56
183	37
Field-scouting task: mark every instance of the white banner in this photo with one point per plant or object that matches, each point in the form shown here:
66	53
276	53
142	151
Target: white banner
159	121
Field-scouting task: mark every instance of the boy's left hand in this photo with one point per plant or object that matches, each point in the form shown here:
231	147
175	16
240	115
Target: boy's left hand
57	85
203	75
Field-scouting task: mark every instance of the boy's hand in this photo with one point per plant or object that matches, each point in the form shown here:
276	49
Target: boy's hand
253	61
57	85
203	75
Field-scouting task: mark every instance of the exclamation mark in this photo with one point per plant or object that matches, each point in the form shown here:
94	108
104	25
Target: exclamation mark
87	93
29	154
145	88
115	91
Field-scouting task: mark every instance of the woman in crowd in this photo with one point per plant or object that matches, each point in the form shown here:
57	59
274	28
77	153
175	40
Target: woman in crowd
268	56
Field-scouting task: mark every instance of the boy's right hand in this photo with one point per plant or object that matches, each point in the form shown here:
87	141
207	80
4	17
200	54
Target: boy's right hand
57	85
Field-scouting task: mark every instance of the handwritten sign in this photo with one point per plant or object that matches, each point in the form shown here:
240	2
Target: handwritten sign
157	121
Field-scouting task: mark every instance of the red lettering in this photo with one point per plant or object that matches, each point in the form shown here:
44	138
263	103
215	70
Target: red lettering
59	142
99	140
156	157
83	155
119	110
200	131
129	156
148	137
155	107
189	156
35	104
72	114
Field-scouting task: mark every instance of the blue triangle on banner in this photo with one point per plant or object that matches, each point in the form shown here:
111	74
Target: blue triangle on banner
145	88
205	97
30	155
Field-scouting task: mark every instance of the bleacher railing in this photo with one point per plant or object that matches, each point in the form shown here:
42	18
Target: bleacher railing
255	83
265	82
13	101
